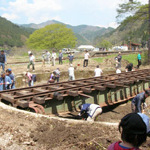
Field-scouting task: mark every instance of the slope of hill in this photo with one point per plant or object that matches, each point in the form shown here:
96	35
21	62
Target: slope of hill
11	34
85	34
130	30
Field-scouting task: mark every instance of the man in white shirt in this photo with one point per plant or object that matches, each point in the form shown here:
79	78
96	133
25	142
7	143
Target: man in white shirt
86	58
31	61
53	58
48	57
98	71
71	73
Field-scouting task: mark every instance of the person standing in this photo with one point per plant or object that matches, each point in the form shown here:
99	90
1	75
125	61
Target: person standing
2	60
139	59
119	58
5	81
53	58
31	61
98	71
60	57
70	56
12	77
48	55
57	74
90	111
71	73
138	100
86	58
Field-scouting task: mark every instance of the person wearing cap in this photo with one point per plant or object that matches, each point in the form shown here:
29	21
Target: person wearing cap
31	61
138	100
57	74
139	59
86	59
90	111
12	77
2	60
134	129
5	81
28	75
98	71
71	73
53	58
60	57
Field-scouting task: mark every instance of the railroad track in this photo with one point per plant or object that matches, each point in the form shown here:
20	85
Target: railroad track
38	97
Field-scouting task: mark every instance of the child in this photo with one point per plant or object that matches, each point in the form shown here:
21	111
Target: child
134	129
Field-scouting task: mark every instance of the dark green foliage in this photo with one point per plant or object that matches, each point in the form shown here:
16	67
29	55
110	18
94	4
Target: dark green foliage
11	34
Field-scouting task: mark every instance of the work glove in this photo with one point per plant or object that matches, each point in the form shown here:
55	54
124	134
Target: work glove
5	63
144	105
7	83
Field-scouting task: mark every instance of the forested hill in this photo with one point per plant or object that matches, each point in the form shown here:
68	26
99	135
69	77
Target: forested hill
85	34
132	29
12	34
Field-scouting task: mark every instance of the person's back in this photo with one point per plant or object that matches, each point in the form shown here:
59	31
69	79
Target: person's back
71	71
134	129
98	72
2	58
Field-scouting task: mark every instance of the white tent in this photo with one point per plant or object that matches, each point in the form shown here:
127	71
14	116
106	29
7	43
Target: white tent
86	47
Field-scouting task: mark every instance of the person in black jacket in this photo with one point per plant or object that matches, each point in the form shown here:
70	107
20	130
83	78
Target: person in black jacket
2	60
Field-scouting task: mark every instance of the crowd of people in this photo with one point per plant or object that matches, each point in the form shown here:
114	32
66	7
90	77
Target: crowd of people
134	127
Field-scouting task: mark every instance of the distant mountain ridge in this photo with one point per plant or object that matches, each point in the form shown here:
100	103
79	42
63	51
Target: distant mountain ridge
84	33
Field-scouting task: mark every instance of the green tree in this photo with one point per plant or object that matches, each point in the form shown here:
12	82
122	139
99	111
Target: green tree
105	44
55	36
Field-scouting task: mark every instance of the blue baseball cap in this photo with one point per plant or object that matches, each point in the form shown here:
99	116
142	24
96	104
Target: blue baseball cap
9	69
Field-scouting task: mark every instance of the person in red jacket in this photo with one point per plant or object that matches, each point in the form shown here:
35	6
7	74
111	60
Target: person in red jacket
134	129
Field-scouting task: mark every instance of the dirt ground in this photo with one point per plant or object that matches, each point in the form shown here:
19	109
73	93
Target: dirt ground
23	131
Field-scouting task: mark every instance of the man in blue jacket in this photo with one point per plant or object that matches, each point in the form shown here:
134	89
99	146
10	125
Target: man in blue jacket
90	111
5	82
139	59
138	100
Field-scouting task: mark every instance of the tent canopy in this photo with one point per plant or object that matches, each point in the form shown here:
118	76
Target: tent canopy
86	47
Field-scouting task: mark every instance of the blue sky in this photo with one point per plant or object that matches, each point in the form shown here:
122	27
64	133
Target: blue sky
74	12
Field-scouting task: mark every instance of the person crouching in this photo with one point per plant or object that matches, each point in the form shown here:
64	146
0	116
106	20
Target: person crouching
90	111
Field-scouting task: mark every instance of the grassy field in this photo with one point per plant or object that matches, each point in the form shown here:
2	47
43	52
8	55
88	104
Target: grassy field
131	58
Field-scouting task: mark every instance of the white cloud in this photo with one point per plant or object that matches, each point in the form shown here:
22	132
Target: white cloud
112	24
35	11
10	16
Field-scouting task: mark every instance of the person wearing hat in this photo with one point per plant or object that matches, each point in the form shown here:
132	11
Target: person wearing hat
134	129
71	73
2	60
90	111
138	100
5	81
139	59
12	77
